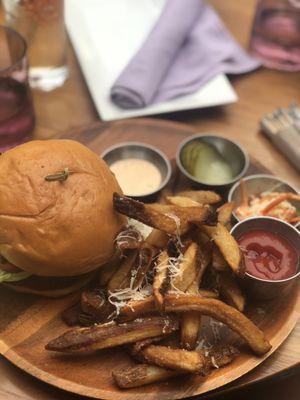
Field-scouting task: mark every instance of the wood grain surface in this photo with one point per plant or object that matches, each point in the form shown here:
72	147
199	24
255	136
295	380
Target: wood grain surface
28	323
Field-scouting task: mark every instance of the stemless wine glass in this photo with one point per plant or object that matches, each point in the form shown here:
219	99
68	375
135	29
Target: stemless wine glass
275	36
16	108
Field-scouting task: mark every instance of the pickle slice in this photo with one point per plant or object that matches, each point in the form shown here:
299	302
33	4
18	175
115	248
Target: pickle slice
205	163
190	154
211	168
186	156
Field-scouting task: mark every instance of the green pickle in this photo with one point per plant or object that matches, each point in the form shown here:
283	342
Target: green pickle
190	156
185	156
206	164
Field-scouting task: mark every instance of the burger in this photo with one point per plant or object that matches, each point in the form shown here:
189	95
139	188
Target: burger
57	222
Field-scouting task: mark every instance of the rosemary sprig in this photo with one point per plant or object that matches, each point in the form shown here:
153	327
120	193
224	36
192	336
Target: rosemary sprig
59	176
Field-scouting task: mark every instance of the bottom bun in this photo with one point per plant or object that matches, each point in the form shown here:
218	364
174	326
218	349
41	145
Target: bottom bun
50	286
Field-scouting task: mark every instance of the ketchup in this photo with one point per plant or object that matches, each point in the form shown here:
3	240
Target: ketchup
268	255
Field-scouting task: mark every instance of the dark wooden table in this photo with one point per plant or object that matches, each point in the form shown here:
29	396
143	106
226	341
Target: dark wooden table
259	92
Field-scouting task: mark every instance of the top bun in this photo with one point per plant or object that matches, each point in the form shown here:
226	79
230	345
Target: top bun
56	228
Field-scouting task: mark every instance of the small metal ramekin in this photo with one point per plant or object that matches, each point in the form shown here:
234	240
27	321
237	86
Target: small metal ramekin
259	183
233	154
264	289
141	151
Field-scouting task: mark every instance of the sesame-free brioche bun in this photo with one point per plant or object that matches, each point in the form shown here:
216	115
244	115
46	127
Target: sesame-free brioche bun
56	228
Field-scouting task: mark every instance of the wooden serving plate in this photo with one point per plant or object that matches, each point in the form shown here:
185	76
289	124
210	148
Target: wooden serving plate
27	323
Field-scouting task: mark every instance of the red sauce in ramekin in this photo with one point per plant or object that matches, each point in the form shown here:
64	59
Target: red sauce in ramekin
268	255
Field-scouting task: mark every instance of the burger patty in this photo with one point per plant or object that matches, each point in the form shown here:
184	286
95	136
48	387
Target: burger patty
50	286
49	282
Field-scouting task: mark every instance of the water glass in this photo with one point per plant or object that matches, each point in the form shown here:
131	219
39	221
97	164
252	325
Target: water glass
16	108
41	23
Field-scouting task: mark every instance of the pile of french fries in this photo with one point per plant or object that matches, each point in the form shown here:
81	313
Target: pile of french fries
153	293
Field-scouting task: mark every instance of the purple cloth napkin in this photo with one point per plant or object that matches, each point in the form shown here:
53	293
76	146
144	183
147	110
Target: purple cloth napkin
188	46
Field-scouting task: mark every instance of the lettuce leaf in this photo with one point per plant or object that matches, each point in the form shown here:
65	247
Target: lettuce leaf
13	277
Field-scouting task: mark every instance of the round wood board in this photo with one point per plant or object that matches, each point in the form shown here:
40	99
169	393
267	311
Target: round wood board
27	323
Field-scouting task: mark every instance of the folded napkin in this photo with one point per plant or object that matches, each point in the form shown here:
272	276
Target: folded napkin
188	46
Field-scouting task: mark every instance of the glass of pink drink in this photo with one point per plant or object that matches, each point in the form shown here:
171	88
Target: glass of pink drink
16	108
275	36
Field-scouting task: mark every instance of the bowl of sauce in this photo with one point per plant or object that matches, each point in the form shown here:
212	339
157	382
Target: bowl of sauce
141	170
211	162
271	249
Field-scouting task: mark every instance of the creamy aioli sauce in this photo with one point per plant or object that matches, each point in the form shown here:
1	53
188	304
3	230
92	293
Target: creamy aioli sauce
136	177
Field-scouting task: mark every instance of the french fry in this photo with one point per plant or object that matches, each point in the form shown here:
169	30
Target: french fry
157	239
190	325
143	264
205	244
224	214
187	269
88	319
208	230
229	248
122	276
108	270
202	196
136	348
160	279
230	291
171	219
191	321
70	315
177	359
141	375
210	294
201	237
95	305
218	262
176	220
181	201
132	271
203	262
128	239
228	315
175	247
138	308
111	335
199	362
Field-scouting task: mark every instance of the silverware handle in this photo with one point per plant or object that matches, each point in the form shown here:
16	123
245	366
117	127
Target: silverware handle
288	142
